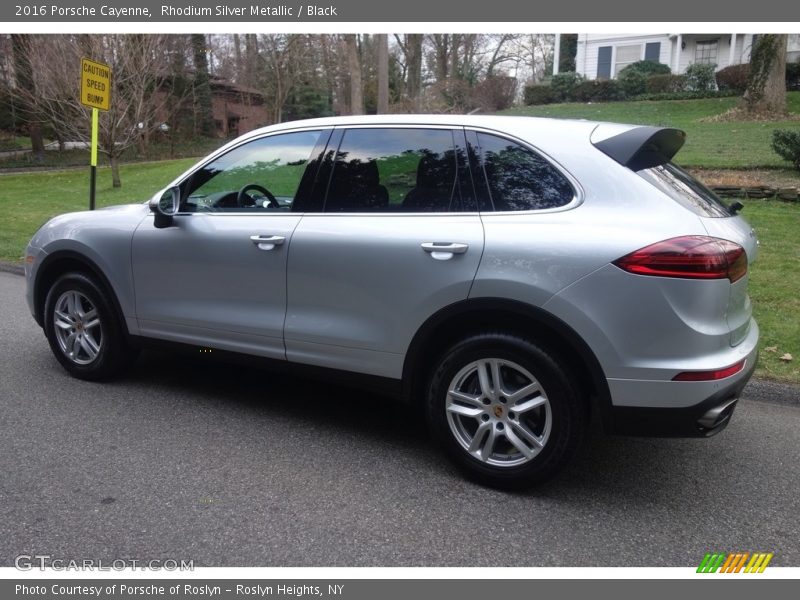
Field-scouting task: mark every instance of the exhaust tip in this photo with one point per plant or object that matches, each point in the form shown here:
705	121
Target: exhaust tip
716	417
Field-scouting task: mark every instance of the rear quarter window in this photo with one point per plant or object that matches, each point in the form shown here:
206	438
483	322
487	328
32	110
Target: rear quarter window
519	179
685	190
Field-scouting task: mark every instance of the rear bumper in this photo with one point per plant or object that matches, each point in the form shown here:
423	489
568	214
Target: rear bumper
703	419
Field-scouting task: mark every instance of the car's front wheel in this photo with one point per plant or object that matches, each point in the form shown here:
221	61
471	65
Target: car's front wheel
83	329
504	410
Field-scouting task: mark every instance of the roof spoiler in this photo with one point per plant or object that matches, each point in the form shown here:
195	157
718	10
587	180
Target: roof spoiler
642	147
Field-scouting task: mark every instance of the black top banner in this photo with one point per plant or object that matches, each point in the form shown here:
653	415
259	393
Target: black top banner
248	11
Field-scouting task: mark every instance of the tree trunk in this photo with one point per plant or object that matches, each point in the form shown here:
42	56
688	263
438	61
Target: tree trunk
250	60
454	71
354	66
115	179
202	86
37	140
383	74
766	89
24	81
237	56
441	42
413	51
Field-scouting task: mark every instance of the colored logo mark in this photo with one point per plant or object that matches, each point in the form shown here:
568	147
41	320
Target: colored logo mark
735	562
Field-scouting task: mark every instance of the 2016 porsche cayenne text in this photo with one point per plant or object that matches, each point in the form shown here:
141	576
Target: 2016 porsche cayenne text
511	275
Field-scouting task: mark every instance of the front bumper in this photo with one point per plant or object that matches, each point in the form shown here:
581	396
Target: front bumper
33	259
703	419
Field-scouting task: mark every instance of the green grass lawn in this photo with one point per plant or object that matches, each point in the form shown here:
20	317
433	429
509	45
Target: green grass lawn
734	145
27	200
775	285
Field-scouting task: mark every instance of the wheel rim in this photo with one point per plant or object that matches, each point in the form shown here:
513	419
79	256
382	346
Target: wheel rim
77	327
498	412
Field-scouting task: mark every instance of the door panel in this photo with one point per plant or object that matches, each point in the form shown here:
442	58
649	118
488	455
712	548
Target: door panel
205	279
365	284
217	275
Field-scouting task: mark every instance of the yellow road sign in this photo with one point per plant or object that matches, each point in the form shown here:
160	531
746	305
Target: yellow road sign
95	84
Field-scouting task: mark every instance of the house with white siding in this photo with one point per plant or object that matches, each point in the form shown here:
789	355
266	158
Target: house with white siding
604	55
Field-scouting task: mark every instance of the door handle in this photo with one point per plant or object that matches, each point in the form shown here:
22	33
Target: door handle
267	242
444	250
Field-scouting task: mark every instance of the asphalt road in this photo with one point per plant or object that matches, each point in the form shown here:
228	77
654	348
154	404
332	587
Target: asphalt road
229	466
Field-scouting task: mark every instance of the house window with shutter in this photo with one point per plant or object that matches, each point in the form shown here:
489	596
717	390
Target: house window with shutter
627	55
706	52
604	62
652	51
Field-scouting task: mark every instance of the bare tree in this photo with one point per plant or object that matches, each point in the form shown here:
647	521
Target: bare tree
441	44
139	102
204	109
26	88
383	73
331	67
411	45
354	66
281	61
237	57
250	59
502	52
535	52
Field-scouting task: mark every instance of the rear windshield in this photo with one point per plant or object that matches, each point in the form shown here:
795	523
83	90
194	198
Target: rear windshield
685	189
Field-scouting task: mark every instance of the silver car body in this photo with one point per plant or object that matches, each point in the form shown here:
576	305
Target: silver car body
350	291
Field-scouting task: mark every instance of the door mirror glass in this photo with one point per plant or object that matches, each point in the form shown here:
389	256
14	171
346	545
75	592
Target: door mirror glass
169	202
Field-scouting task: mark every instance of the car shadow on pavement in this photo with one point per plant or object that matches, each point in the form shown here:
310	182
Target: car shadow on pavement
264	391
650	469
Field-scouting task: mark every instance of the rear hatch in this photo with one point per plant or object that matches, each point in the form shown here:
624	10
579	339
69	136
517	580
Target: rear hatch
649	151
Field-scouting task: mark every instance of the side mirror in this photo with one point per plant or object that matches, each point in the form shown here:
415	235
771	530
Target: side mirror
166	206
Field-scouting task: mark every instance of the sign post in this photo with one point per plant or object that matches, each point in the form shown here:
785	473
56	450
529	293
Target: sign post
96	94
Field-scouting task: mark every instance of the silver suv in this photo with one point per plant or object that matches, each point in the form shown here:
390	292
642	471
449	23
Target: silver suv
512	276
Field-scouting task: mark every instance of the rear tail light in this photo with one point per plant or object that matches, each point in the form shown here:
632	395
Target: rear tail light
688	257
710	375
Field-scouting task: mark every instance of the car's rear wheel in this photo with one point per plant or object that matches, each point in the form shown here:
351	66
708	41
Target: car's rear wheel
504	410
83	329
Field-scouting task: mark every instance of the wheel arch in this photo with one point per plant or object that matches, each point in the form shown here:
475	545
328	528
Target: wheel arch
66	261
471	316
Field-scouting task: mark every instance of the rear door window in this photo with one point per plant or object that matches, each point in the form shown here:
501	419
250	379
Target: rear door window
517	178
398	170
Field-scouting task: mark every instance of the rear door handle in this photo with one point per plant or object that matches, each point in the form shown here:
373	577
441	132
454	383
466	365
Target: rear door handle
267	242
444	250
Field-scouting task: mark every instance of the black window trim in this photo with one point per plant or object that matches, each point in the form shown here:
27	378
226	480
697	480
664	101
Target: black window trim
578	194
331	137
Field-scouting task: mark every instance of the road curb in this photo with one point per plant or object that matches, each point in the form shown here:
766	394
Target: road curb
764	390
13	268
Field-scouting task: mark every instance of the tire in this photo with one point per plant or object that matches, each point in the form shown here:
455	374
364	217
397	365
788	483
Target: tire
84	330
511	436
